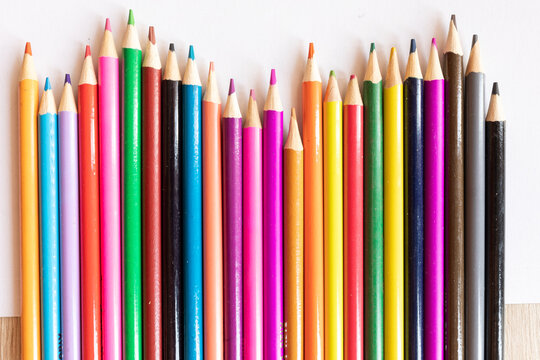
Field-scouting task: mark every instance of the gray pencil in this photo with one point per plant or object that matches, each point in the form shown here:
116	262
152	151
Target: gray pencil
474	205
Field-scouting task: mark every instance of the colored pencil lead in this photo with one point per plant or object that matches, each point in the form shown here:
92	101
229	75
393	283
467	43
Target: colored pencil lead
413	46
191	52
152	35
311	51
171	47
131	18
87	51
28	48
108	24
47	84
273	79
67	79
231	87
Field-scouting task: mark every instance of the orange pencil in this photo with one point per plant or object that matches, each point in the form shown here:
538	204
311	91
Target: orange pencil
28	107
293	239
212	233
313	207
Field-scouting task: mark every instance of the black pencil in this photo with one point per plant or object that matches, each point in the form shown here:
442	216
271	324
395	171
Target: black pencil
495	208
173	309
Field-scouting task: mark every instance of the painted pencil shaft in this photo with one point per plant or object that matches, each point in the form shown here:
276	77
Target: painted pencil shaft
393	213
475	207
353	201
69	223
373	216
110	203
49	226
29	203
272	223
212	220
252	232
151	207
313	205
333	220
192	211
173	306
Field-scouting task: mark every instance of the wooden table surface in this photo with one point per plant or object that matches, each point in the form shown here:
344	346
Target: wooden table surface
522	333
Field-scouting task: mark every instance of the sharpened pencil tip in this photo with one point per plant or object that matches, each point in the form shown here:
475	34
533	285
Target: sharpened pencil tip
211	68
434	42
231	87
28	48
273	79
47	84
152	35
352	77
252	94
413	46
67	79
87	51
131	18
293	114
372	47
453	19
191	52
108	24
495	90
171	47
474	40
311	51
332	73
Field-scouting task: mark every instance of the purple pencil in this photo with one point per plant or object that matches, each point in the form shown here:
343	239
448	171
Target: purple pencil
272	223
232	205
69	222
434	207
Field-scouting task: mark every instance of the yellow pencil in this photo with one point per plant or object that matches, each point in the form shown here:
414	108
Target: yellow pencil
333	220
28	107
393	212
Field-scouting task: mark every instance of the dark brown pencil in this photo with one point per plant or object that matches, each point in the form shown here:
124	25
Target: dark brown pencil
495	212
454	196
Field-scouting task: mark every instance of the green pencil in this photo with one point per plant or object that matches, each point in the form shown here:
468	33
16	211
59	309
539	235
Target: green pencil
373	205
131	49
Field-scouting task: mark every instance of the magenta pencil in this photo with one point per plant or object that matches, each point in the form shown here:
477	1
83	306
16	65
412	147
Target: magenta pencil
232	222
434	207
252	231
69	223
273	222
110	211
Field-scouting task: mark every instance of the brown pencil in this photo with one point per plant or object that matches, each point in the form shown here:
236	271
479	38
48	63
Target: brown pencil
454	195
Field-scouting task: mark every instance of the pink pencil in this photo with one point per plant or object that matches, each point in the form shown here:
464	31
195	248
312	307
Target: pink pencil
109	163
252	232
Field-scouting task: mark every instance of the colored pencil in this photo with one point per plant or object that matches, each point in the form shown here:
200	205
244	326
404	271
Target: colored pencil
110	208
495	226
333	220
272	222
171	220
373	209
252	218
393	212
151	178
29	180
89	210
69	222
293	239
313	207
454	196
192	210
212	220
475	201
434	208
50	226
232	225
413	110
132	191
353	220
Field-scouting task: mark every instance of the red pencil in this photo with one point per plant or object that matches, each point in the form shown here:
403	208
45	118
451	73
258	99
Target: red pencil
89	211
353	145
151	133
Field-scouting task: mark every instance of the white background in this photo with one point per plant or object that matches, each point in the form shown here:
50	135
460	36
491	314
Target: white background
247	38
